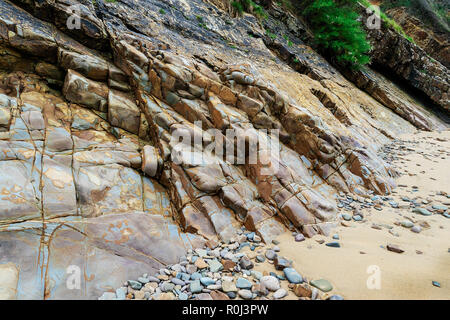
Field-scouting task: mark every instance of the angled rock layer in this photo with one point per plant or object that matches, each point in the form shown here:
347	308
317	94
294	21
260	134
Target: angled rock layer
91	177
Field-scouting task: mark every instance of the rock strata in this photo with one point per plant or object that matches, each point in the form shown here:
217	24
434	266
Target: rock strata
92	182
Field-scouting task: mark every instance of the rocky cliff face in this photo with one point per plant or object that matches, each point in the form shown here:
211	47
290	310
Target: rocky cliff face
436	45
88	175
409	62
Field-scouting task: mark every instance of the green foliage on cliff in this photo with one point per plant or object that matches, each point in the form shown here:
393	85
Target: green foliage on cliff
249	6
336	29
434	13
390	22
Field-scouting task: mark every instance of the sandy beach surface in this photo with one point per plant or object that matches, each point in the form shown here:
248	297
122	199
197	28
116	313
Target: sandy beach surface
362	258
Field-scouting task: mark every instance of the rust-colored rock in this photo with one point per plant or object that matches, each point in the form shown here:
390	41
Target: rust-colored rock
91	175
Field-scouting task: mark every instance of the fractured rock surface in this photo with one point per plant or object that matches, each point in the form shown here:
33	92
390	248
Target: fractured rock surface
91	177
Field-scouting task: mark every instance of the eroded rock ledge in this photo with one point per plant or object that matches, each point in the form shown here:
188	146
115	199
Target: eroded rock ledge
87	174
436	45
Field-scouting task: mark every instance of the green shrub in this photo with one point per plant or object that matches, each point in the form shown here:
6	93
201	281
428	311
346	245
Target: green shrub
337	30
270	34
433	13
390	22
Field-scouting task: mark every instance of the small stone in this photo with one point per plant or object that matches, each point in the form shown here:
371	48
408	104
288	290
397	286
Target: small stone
214	287
242	283
167	296
246	263
436	284
394	248
150	287
201	252
333	244
335	297
183	296
204	296
245	294
200	263
176	268
167	286
299	237
439	207
196	276
260	258
416	229
242	238
376	226
215	266
206	281
281	263
228	265
217	295
228	286
259	289
140	295
178	282
422	211
163	277
270	254
195	286
153	279
407	224
143	280
302	291
336	237
135	284
322	285
184	276
121	293
280	293
393	204
256	274
276	242
270	282
346	216
231	295
292	275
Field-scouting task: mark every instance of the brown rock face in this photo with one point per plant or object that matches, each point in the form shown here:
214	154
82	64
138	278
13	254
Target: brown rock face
436	45
101	171
393	52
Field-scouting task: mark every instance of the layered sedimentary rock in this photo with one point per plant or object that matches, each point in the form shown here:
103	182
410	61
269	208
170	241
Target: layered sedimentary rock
436	45
393	52
92	177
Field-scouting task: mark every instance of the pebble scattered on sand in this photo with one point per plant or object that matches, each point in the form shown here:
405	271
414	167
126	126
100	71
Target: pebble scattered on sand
223	271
